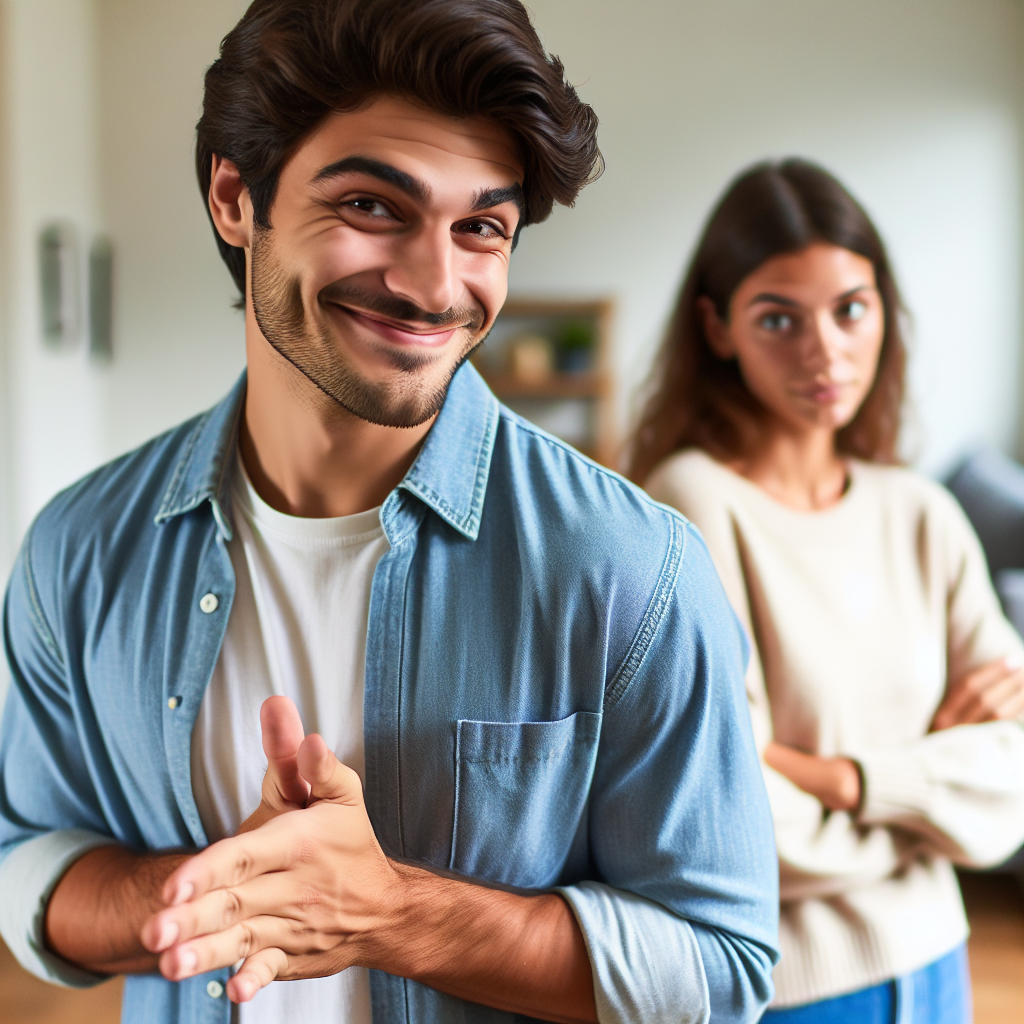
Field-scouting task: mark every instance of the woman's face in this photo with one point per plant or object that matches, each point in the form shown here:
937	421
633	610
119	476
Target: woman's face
806	329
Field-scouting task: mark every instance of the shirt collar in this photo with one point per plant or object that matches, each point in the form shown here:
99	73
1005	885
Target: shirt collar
449	474
202	471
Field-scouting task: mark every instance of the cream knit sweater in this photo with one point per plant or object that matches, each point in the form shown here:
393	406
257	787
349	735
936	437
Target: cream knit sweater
858	616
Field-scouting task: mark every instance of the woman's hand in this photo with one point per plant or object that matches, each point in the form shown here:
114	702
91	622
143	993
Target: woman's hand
991	693
835	781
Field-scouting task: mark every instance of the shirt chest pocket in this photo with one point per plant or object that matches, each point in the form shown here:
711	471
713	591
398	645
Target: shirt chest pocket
520	789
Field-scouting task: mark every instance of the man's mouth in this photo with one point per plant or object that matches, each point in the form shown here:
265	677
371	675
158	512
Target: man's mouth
401	332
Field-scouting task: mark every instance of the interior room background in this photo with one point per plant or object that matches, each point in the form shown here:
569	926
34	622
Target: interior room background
918	105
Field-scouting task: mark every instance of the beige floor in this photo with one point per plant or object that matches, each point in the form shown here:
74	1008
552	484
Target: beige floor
26	1000
994	903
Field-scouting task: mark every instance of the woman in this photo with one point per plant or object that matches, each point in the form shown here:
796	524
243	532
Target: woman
884	682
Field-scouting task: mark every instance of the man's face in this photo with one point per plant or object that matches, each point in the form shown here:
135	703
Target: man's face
387	257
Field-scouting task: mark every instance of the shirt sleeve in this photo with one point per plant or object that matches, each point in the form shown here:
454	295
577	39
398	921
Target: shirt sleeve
28	875
49	812
961	789
683	924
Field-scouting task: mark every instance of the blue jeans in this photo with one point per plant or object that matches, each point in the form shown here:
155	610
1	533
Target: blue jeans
937	994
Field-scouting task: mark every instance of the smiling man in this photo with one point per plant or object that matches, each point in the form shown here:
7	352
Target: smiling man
360	681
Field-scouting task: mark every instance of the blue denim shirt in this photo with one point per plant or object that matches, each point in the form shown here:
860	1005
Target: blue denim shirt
554	699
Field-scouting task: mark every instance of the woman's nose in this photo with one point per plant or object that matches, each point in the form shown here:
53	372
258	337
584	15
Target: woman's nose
824	342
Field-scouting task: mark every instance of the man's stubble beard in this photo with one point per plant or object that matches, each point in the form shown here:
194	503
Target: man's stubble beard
404	399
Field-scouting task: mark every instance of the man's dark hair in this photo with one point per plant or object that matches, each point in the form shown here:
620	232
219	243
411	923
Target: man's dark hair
288	64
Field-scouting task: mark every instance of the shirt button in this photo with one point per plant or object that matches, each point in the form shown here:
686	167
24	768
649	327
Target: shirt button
173	702
208	603
214	989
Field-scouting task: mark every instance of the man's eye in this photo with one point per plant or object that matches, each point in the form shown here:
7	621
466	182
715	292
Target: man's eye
854	310
776	322
481	229
371	207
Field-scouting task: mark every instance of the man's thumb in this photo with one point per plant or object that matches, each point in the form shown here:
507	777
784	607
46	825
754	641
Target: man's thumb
282	736
328	778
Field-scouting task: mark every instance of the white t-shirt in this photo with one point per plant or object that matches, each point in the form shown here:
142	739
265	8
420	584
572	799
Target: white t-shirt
297	628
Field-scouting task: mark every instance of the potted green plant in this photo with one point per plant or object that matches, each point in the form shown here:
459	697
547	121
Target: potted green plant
574	346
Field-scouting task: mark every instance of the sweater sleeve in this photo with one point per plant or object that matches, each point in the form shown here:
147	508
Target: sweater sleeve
961	789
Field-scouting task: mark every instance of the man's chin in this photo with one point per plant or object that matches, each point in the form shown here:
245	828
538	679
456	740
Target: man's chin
403	401
394	386
415	391
402	416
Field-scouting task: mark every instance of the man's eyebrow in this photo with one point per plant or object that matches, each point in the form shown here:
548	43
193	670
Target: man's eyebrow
489	197
376	169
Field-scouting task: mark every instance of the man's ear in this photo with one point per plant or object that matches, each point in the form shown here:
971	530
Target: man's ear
716	330
230	205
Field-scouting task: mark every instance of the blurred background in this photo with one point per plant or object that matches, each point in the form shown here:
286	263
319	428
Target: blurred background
917	105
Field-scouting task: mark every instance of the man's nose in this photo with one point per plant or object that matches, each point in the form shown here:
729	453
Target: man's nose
424	270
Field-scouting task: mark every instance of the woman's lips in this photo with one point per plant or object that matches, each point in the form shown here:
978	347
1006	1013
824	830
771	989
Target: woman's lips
823	394
399	335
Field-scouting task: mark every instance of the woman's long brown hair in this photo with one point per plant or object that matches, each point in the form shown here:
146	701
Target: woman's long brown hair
696	399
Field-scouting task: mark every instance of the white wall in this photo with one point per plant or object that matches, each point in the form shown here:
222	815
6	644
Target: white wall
915	104
178	342
52	401
6	482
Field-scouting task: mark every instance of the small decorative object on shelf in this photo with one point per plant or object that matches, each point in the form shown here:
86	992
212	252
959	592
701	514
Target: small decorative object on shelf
547	359
530	358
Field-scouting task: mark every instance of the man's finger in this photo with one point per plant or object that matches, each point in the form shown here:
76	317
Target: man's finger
233	861
328	778
257	972
218	910
282	736
222	949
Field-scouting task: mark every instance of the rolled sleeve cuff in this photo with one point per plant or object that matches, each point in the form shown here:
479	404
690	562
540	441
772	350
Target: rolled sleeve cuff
28	876
646	961
896	785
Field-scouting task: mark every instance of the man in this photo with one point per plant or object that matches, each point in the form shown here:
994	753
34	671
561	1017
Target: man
529	786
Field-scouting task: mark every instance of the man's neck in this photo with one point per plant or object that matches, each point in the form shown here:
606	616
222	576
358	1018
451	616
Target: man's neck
306	455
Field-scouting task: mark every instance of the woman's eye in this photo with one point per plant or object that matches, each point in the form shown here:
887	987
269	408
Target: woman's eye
481	229
854	310
776	322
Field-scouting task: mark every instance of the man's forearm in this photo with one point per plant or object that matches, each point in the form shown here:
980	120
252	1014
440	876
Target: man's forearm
95	915
523	954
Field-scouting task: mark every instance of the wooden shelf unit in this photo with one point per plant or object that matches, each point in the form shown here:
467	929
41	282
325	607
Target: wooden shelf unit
585	384
594	386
